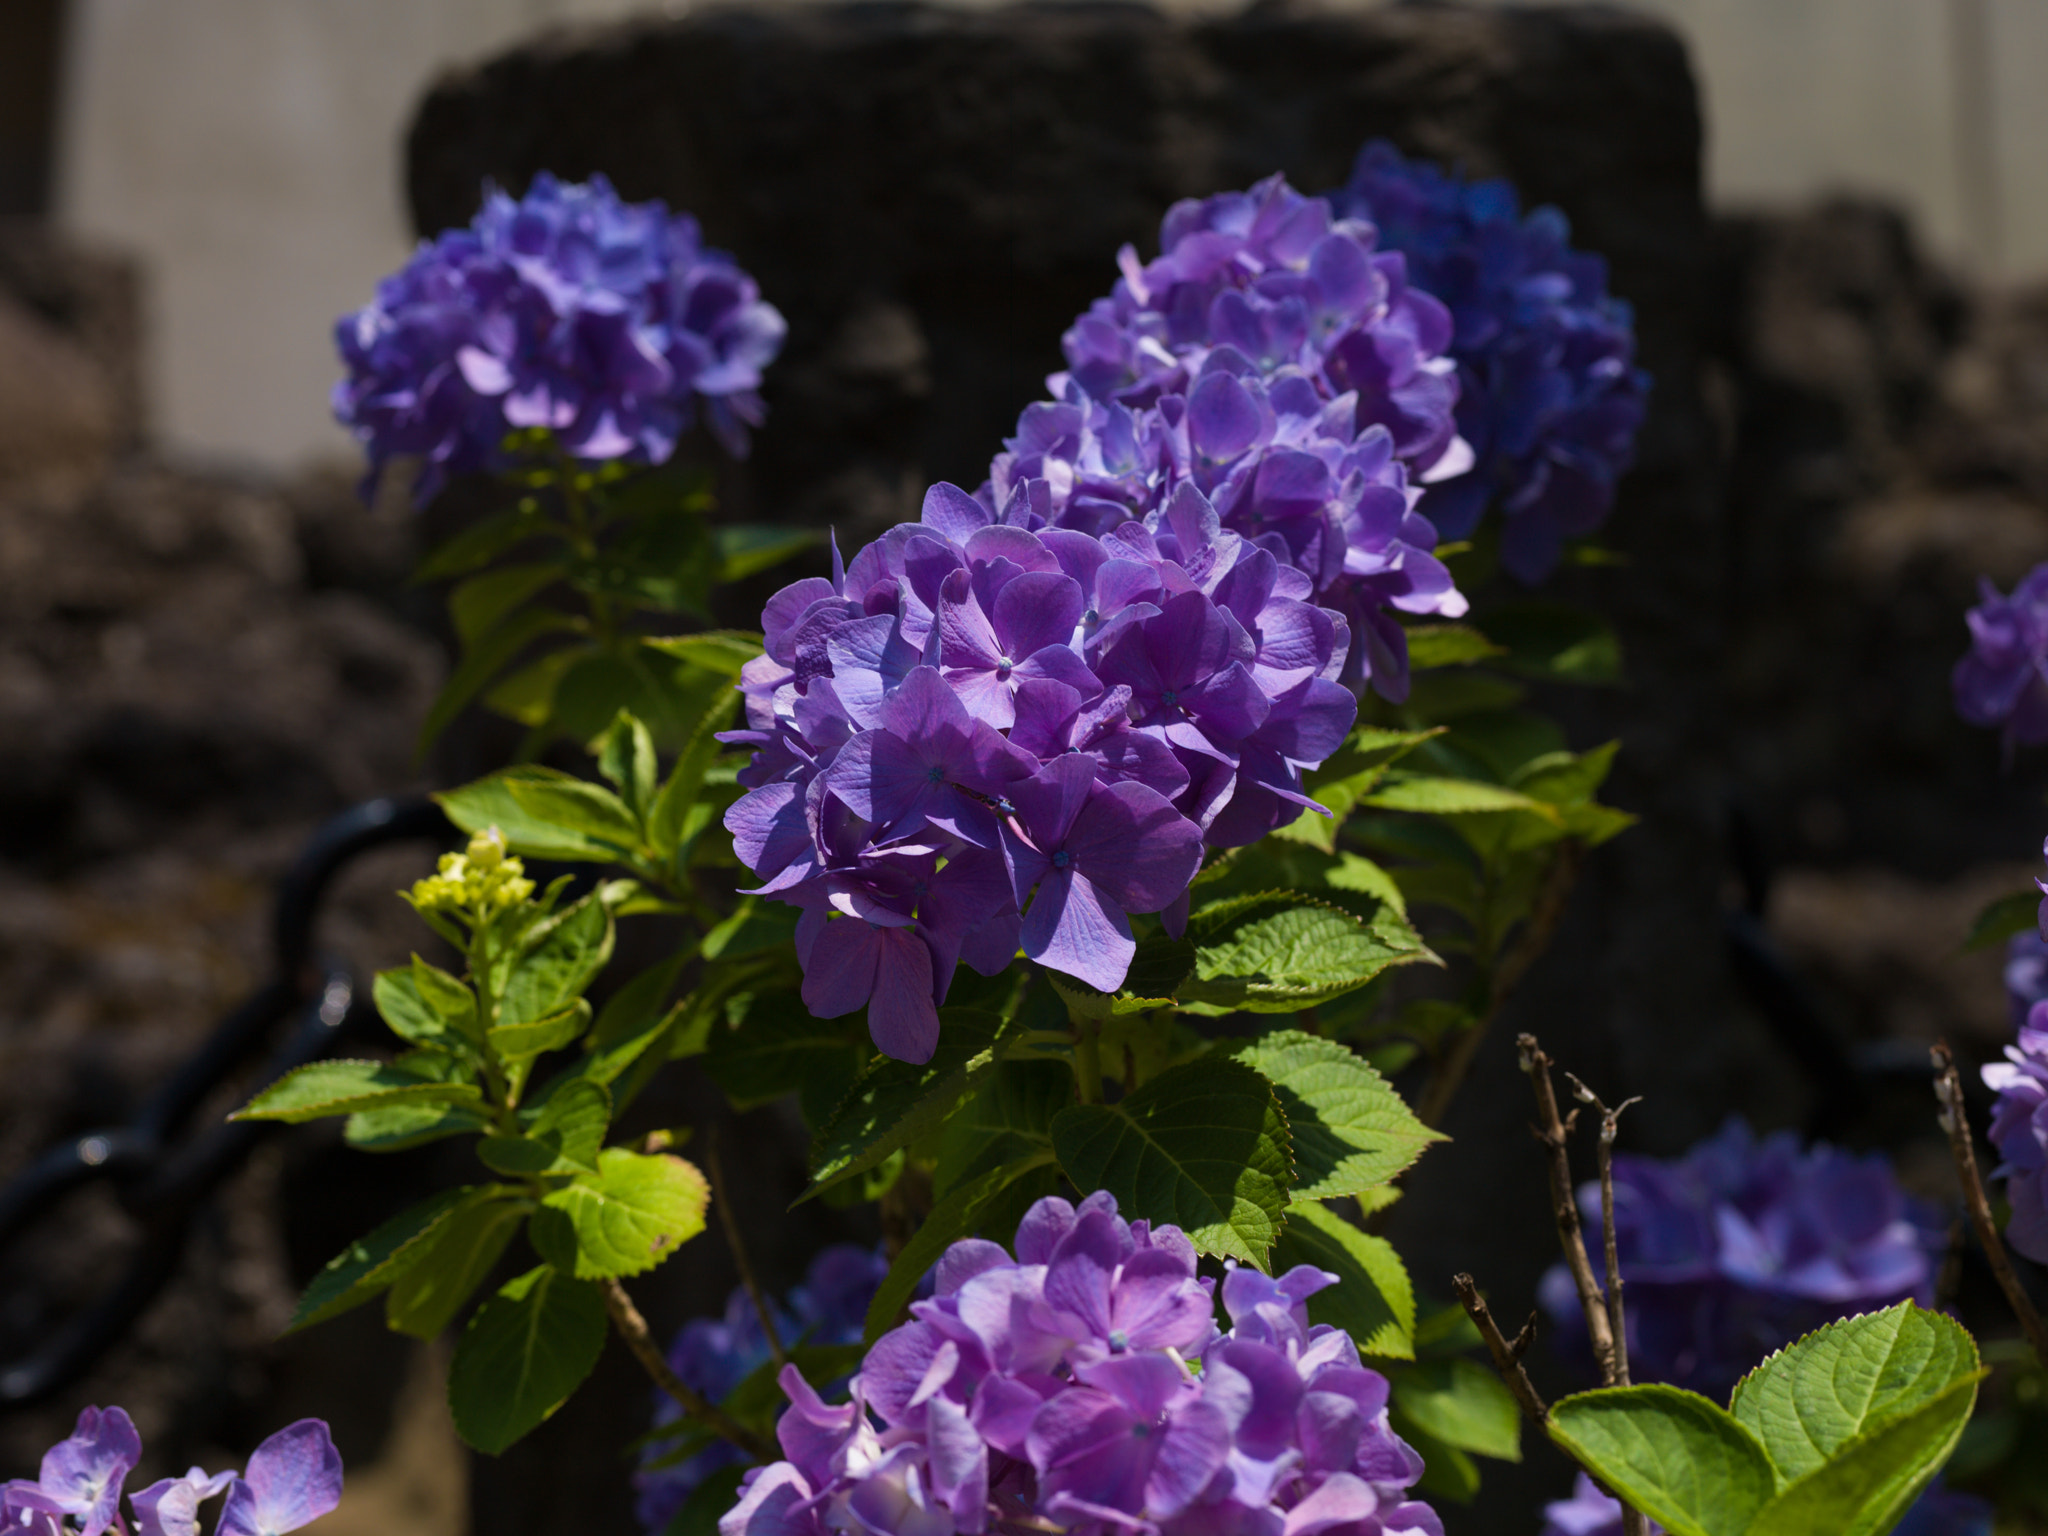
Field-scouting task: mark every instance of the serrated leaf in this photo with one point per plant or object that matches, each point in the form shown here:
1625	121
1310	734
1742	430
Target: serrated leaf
522	1354
2003	918
1672	1454
1351	1131
1203	1146
563	1136
1866	1485
529	823
453	1261
1008	1120
400	1127
778	1053
633	1212
521	1042
325	1088
567	951
1461	1403
895	1102
1816	1395
588	810
1373	1301
410	1016
958	1215
1280	951
1451	797
368	1266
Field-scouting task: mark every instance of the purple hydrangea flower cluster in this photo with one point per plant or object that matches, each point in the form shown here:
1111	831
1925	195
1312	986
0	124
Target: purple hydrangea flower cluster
1549	395
1053	1391
2003	680
1274	360
2019	1130
715	1355
1940	1511
604	322
992	730
1743	1245
2026	974
293	1478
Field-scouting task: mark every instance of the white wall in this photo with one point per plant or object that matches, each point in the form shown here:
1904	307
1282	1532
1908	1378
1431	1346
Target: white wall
249	151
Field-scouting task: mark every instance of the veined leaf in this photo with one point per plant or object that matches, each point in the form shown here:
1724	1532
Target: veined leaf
563	955
1009	1120
633	1212
409	1014
1280	951
1451	797
1461	1403
1373	1300
528	818
1202	1146
367	1267
522	1354
521	1042
1351	1131
1672	1454
562	1136
400	1127
625	755
325	1088
453	1261
778	1051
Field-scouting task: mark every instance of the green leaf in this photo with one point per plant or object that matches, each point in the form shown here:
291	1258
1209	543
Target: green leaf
404	1126
563	1136
486	660
368	1266
1672	1454
1865	1487
671	809
626	757
1203	1146
754	925
529	824
523	1353
449	1001
2003	918
1811	1398
895	1102
723	650
1451	797
779	1053
516	1044
478	604
633	1212
566	952
453	1261
958	1215
1351	1130
584	809
1461	1403
1552	640
1280	951
479	543
1008	1121
403	1006
326	1088
745	549
1374	1300
1447	645
1447	1472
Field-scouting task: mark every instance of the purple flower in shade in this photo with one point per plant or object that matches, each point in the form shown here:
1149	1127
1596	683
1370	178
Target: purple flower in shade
1940	1511
1054	1389
2026	973
1588	1512
605	322
1743	1245
2019	1130
293	1478
2003	679
985	704
830	1307
1548	396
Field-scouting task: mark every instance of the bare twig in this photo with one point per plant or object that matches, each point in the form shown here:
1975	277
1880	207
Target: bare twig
1610	1124
1528	948
1948	1088
728	1217
1507	1357
632	1328
1551	1130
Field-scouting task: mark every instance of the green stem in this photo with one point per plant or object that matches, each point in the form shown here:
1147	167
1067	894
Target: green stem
1088	1060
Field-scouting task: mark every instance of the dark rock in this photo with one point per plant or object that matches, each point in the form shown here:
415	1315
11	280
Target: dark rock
932	195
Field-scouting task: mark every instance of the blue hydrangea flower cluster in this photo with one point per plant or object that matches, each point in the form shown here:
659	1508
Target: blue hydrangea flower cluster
1940	1511
2019	1130
1274	360
715	1355
991	731
603	321
1550	398
2002	681
293	1478
1743	1245
1053	1391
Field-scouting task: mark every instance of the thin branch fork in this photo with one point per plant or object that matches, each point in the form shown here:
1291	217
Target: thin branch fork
1507	1353
1610	1125
632	1327
1551	1131
1948	1089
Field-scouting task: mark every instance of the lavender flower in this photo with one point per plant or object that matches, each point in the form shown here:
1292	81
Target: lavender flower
715	1356
1053	1389
601	321
2003	680
1277	363
2019	1130
1548	398
1588	1512
2026	973
1742	1246
992	730
293	1478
